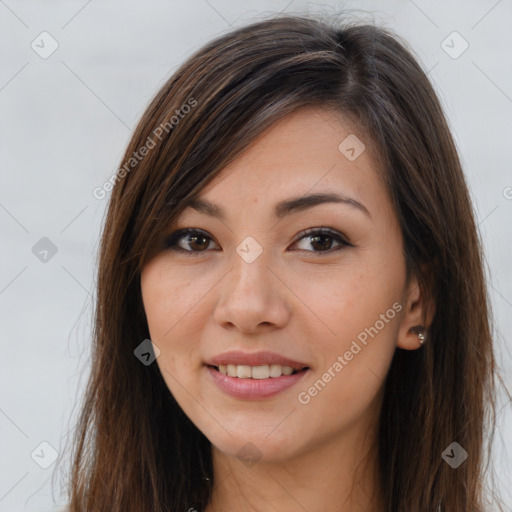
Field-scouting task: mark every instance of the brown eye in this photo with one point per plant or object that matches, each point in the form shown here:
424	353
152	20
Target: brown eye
188	240
194	241
322	239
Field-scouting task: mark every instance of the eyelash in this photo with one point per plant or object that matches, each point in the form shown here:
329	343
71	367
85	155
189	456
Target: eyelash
171	241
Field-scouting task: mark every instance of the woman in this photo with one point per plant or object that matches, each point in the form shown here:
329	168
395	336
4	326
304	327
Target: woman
291	307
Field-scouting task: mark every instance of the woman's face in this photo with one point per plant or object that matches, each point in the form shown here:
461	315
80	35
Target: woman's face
252	281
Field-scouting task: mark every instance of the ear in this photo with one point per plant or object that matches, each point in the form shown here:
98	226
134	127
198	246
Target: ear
418	312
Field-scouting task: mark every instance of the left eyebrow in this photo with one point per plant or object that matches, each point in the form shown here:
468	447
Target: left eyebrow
286	207
302	203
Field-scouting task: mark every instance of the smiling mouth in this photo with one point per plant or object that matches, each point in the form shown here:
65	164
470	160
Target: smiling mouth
259	372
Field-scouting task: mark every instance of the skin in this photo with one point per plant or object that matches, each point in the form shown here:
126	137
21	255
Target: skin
299	298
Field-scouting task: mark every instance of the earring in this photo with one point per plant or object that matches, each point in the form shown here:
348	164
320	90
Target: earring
418	329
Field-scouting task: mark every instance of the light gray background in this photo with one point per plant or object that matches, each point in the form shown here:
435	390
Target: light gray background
65	122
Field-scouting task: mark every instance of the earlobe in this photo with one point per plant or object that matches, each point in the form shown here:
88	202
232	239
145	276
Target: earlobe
412	338
417	318
420	331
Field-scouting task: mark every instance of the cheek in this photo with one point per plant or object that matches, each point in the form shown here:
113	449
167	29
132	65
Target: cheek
357	313
172	304
170	300
348	298
354	359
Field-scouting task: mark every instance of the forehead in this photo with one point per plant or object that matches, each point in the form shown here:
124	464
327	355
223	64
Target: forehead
310	151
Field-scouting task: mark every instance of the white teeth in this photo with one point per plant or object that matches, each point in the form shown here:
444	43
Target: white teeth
260	372
243	371
276	370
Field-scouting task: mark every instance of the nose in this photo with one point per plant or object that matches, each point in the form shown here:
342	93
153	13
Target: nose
252	296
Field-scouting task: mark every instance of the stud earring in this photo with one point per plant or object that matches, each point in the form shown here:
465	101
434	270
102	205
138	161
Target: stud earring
418	329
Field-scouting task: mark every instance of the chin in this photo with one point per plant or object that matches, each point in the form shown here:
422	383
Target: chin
256	447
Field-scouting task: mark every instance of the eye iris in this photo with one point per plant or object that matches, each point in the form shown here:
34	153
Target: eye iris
315	238
192	239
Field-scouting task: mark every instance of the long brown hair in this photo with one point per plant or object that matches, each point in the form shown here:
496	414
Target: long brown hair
134	448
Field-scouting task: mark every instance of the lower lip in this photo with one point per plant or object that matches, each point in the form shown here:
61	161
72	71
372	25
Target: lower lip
254	388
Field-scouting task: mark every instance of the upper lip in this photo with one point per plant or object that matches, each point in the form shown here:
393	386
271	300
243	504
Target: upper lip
254	359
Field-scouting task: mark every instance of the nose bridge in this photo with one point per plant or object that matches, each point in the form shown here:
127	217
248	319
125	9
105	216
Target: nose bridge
250	296
250	266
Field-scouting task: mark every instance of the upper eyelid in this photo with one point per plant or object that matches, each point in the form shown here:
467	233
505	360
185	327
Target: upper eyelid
179	233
